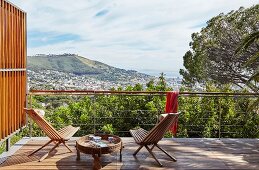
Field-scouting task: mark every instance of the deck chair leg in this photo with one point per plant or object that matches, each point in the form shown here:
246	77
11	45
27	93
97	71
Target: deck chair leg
135	153
173	158
42	158
152	154
153	147
67	146
40	148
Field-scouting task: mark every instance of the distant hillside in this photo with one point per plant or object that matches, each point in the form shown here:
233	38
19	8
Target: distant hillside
78	65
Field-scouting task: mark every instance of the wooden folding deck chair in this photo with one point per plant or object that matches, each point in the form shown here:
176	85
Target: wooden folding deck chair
152	137
55	136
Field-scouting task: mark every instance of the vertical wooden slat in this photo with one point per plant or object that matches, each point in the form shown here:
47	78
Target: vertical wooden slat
24	66
15	74
4	66
18	66
23	98
19	40
14	66
23	41
4	105
12	73
10	113
20	75
19	99
20	102
8	107
8	66
1	59
8	46
1	104
12	60
1	66
4	34
24	58
1	34
14	101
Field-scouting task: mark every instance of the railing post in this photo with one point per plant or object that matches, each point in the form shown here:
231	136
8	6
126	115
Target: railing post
94	114
7	147
220	111
30	128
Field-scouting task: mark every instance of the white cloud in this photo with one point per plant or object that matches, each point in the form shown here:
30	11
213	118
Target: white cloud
130	34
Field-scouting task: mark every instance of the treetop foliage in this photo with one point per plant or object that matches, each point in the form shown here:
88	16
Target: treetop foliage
213	54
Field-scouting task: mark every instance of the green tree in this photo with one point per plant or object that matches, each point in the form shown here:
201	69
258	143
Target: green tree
212	56
211	115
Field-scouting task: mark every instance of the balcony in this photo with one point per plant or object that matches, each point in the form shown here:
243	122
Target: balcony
216	130
207	140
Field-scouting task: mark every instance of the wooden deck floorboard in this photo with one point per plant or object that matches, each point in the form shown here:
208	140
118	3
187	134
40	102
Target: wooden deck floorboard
190	154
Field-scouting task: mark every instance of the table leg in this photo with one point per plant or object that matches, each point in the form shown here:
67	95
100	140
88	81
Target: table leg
96	163
78	154
122	146
120	154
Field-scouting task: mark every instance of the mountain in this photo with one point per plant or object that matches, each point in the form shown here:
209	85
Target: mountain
67	63
78	65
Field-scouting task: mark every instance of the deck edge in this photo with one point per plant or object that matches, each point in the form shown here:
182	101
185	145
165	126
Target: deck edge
13	149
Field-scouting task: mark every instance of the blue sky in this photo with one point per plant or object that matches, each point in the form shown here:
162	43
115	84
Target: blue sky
149	36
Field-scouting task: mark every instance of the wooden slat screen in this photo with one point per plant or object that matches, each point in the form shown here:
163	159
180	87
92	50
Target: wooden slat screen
12	68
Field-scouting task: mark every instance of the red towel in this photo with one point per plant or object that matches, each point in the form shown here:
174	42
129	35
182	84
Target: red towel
171	106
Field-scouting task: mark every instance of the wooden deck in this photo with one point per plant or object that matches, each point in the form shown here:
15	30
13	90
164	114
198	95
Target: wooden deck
190	154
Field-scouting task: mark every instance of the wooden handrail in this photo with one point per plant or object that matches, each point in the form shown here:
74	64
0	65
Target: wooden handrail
108	92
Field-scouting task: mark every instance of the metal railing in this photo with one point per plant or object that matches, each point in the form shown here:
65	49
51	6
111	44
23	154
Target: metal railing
203	114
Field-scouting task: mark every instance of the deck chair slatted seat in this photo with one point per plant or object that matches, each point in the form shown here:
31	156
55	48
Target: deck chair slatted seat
145	138
55	136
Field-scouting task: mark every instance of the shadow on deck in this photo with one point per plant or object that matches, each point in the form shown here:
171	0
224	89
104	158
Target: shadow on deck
190	154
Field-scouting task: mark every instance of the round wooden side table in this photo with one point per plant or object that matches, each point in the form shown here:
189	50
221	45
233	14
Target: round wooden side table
87	146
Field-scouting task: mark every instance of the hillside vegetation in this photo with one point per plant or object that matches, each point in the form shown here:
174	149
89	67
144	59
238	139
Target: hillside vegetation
68	63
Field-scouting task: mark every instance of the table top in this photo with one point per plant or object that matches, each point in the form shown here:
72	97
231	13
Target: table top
88	146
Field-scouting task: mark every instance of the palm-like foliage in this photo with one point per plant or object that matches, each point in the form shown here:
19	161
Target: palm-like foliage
250	39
